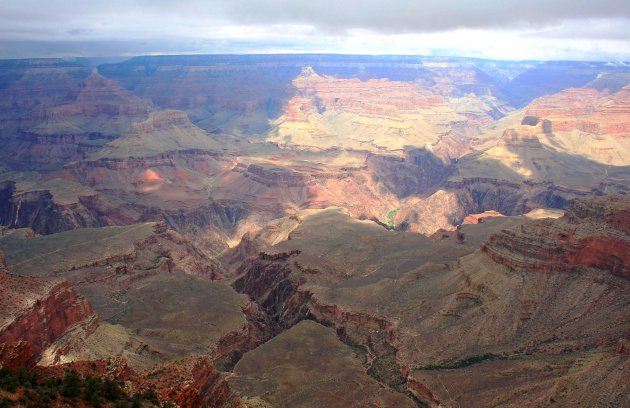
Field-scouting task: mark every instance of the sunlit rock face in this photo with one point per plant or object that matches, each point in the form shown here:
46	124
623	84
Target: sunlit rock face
584	122
374	115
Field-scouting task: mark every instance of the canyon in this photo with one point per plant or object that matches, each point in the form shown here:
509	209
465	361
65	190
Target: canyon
319	230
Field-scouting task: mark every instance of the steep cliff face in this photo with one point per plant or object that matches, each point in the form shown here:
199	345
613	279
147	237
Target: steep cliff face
593	234
520	156
278	283
517	173
40	211
158	295
190	383
38	311
47	318
168	187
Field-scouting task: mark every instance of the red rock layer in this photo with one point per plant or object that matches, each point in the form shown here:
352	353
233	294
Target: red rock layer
37	311
16	355
585	109
379	97
189	383
477	218
593	234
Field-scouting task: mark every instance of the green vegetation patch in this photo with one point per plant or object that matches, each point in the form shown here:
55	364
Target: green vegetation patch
22	388
155	263
389	217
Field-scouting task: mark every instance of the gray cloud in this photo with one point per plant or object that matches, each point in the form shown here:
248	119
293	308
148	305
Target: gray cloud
335	15
79	31
419	15
380	15
167	22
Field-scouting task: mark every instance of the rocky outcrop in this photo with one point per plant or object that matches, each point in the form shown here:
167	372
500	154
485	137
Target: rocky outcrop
269	283
231	347
278	176
376	97
478	218
447	208
585	109
591	234
190	383
513	139
16	355
46	318
161	120
39	211
37	311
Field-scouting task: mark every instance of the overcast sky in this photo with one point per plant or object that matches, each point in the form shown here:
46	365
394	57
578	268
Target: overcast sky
502	29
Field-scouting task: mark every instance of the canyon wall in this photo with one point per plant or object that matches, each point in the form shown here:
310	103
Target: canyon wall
38	311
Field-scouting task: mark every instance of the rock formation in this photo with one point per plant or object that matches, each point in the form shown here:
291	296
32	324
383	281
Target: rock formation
101	105
591	234
161	132
35	312
582	121
478	218
374	115
405	311
97	110
191	382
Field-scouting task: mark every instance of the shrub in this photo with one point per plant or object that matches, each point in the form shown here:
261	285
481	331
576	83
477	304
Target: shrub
71	387
149	395
9	383
92	393
111	390
24	378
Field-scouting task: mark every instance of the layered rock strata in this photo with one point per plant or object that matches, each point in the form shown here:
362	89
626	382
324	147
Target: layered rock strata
37	311
593	234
